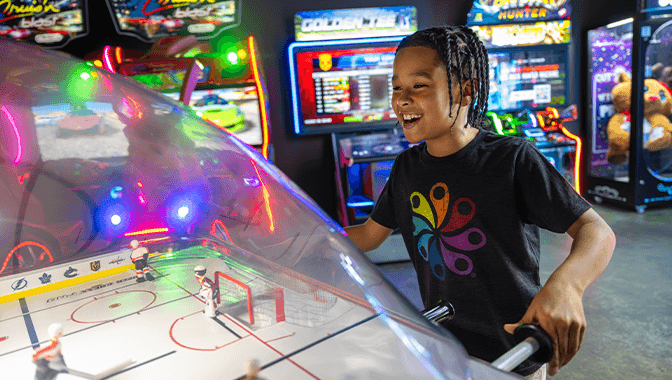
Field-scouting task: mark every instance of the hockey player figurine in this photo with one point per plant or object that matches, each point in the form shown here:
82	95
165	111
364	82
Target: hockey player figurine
252	370
208	292
49	360
139	257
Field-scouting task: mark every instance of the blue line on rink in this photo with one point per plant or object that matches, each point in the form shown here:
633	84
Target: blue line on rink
29	323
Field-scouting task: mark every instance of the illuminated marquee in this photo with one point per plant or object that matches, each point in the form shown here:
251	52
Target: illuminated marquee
50	23
540	33
355	23
498	11
9	8
150	20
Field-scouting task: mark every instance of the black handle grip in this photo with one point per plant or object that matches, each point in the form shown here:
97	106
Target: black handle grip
545	352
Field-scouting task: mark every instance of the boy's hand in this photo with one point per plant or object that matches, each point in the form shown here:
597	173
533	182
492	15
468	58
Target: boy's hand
559	311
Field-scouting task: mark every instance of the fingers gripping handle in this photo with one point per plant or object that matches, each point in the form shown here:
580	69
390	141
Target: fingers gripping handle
533	343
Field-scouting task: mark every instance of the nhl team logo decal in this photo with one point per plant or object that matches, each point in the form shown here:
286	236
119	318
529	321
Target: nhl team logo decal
95	265
325	62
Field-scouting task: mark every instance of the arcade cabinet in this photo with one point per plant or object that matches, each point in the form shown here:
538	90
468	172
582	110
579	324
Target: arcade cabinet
231	93
342	87
630	158
528	50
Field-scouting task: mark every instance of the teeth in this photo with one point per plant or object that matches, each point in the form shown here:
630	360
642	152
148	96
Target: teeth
411	116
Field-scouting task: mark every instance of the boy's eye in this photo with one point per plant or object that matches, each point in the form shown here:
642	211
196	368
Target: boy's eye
396	88
419	85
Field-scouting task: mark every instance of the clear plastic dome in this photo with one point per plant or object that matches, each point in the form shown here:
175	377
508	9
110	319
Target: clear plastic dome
91	161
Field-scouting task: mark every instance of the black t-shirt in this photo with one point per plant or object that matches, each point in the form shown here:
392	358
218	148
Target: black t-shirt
470	222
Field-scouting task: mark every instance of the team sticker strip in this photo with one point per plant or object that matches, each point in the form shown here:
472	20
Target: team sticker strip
46	279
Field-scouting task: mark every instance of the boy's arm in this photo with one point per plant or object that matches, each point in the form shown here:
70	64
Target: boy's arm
368	236
558	307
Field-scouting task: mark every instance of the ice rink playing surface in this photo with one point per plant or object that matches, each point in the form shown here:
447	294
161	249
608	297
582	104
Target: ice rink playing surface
160	325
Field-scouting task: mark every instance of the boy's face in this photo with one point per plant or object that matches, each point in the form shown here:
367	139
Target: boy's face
420	97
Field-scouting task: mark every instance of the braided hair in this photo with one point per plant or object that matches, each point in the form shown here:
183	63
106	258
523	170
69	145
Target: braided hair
465	57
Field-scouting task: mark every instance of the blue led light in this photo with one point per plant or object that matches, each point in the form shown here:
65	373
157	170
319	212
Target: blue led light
115	219
183	211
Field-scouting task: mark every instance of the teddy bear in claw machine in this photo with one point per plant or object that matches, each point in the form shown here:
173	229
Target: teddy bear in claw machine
657	131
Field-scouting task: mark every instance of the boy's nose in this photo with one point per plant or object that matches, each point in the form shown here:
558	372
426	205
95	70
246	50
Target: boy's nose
403	99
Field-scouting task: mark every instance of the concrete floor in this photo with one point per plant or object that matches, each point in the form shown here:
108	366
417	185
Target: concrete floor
628	309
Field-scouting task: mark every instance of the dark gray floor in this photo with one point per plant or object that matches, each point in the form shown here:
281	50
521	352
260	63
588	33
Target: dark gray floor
628	309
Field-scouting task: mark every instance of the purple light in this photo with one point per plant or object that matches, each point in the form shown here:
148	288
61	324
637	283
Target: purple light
16	130
106	59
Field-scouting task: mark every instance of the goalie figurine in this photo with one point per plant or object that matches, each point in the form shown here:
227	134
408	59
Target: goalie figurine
208	292
49	359
139	257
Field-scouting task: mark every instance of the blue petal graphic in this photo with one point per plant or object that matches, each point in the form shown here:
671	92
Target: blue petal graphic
435	260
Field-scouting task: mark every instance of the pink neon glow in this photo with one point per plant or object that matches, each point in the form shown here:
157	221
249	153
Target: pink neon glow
106	59
16	131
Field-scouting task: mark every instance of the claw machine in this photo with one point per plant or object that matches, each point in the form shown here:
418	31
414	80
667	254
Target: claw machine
630	132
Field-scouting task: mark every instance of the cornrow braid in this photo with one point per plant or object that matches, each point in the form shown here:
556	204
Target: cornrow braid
465	57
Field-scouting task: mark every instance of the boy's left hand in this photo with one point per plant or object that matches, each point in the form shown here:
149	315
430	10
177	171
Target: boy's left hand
559	311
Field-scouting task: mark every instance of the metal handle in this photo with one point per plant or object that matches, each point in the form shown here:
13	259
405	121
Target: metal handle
443	311
535	343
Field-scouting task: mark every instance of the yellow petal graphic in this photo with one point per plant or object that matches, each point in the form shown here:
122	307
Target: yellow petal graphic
423	208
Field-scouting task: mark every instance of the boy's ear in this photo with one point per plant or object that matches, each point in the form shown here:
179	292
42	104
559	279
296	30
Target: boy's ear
468	94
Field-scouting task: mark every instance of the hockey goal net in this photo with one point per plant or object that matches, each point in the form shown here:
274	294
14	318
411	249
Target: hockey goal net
255	302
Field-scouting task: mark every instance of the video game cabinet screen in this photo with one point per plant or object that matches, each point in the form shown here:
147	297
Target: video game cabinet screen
527	79
343	88
235	109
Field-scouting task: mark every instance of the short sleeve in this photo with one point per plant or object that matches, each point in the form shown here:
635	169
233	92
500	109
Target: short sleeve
543	195
383	211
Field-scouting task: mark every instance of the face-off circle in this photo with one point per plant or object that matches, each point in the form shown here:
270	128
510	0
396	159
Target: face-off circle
118	305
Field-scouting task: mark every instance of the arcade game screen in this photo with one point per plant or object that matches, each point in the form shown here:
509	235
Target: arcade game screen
527	79
340	88
139	241
234	109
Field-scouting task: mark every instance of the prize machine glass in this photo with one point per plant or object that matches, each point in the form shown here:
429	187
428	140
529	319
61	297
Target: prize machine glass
102	176
344	88
610	58
529	73
657	130
631	133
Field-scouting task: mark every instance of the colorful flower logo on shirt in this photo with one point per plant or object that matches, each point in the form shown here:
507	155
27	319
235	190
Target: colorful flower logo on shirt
436	234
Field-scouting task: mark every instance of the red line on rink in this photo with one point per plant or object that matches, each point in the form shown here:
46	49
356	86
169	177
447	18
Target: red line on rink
271	347
248	331
193	348
282	337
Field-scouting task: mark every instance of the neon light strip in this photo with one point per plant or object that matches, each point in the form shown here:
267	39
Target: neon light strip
107	61
262	99
267	199
577	157
25	243
146	232
295	102
117	54
16	131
